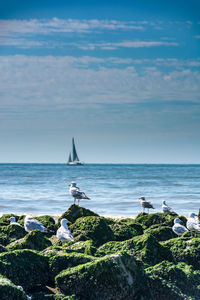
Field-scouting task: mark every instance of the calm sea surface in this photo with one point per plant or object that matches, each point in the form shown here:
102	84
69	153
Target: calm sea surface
113	189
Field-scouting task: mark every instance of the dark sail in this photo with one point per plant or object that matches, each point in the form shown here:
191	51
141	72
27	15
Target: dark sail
70	158
74	153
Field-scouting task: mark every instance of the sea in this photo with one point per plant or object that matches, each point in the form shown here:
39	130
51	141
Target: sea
113	189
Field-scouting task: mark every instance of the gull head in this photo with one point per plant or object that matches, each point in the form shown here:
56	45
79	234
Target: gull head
142	198
164	203
64	223
192	215
12	220
177	221
28	217
72	184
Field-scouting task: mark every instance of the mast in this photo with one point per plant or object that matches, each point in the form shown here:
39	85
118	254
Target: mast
74	153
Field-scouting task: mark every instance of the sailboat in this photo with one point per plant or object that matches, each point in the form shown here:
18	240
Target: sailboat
73	159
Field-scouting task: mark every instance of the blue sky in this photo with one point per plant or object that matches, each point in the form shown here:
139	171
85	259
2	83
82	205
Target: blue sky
122	77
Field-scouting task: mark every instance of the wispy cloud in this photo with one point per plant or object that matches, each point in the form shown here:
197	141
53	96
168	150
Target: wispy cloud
55	25
126	44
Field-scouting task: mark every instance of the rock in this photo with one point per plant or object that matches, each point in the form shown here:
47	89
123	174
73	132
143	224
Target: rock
4	240
133	224
59	263
145	248
49	223
118	276
14	232
3	249
92	228
161	233
185	249
35	240
9	291
74	212
86	247
147	220
169	281
26	268
123	232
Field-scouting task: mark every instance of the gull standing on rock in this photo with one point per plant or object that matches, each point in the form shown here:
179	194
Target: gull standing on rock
13	221
145	204
77	193
30	224
166	208
63	233
178	228
193	223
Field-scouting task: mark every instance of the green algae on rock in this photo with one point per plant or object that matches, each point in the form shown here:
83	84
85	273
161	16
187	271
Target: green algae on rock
25	267
123	232
75	211
9	291
92	228
59	263
145	248
35	240
86	247
185	249
171	282
147	220
161	233
117	276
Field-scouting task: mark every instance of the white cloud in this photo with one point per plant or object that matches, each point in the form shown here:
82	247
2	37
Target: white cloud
55	25
49	83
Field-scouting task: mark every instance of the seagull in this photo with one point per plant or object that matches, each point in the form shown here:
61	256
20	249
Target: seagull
63	233
166	208
13	221
145	204
193	223
30	224
77	193
178	228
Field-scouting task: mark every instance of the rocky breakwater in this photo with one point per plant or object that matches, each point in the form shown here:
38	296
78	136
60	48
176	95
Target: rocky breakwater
109	259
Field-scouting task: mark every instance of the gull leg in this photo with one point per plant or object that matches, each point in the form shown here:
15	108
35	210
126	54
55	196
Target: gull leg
78	201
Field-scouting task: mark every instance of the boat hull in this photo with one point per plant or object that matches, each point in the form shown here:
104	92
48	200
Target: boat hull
77	163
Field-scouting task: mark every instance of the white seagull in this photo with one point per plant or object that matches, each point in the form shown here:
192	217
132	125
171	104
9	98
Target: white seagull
166	208
178	228
76	192
30	224
193	223
13	221
145	204
63	233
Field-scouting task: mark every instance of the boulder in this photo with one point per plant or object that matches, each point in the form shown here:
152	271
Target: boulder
26	268
161	233
59	263
92	228
171	282
123	232
185	249
147	220
145	248
35	240
74	212
117	276
86	247
9	291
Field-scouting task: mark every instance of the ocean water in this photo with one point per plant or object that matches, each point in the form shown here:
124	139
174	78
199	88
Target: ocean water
114	189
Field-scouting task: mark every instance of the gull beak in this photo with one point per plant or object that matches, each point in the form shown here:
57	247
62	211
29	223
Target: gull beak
70	223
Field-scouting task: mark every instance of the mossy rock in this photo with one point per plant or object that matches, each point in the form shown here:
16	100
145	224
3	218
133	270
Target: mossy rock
4	240
49	223
133	224
59	263
86	247
14	232
35	240
123	232
171	282
145	248
92	228
118	276
185	249
3	249
9	291
147	220
74	212
161	233
26	268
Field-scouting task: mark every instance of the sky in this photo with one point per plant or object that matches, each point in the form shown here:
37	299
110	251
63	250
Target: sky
121	77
